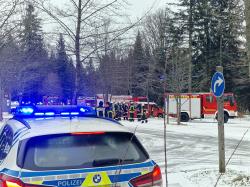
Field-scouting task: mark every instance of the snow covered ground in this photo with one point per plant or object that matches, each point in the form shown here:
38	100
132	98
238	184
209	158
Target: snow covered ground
192	151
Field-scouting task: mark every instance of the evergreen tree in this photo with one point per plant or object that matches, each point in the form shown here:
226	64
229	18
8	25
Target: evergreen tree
71	73
150	75
10	56
81	85
105	74
158	38
51	85
216	29
53	62
65	70
139	68
90	78
32	40
129	61
35	58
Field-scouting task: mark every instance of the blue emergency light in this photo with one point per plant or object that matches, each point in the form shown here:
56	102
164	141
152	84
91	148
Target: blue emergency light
54	111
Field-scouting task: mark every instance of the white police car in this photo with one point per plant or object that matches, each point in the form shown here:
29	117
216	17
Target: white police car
70	147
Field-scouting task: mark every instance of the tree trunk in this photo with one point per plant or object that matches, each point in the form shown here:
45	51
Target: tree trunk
178	108
190	46
77	51
247	14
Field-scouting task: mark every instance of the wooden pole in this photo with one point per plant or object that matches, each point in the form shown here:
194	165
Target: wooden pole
168	109
165	140
221	138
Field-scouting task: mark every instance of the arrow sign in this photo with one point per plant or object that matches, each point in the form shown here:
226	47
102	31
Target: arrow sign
218	84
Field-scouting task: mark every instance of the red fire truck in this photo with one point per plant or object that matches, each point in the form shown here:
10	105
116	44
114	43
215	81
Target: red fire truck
201	105
52	100
86	101
140	99
153	110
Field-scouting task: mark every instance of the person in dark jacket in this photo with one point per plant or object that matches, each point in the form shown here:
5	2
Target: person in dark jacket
131	112
125	111
117	108
108	110
139	112
100	109
144	115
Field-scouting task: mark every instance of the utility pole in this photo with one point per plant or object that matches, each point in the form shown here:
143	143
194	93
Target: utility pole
221	138
165	107
166	104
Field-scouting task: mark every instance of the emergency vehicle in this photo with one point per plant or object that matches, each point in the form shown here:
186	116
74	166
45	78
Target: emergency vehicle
201	105
140	99
70	147
52	100
153	110
87	101
120	98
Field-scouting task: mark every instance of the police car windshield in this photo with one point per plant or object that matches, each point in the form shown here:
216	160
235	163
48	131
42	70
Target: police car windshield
70	151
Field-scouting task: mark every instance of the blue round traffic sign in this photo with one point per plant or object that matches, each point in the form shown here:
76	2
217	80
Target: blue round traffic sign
218	84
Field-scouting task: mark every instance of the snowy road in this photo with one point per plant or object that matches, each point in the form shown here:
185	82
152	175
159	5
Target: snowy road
192	151
193	147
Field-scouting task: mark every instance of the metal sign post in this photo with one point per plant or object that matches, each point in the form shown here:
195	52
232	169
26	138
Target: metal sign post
218	87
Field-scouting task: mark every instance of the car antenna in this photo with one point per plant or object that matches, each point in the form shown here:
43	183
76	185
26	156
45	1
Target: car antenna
124	157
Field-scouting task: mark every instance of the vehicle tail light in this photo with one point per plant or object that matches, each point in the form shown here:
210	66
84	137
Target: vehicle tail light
148	180
7	181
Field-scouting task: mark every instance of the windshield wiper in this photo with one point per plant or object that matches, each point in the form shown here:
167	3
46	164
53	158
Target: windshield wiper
108	162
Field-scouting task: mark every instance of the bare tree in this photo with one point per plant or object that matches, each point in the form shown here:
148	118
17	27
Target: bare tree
8	9
156	32
80	19
177	76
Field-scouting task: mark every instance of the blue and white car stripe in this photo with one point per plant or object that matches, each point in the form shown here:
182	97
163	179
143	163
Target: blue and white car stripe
117	174
107	169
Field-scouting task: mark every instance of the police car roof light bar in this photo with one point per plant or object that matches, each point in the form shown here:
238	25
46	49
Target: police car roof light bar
53	111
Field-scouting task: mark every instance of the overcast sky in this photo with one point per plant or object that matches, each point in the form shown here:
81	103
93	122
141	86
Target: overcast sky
136	9
139	7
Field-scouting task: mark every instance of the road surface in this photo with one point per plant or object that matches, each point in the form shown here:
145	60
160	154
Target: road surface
194	146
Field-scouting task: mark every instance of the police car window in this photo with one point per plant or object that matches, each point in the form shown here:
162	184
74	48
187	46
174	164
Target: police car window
6	139
82	151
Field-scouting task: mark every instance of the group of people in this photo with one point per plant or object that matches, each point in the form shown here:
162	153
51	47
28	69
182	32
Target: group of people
126	111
